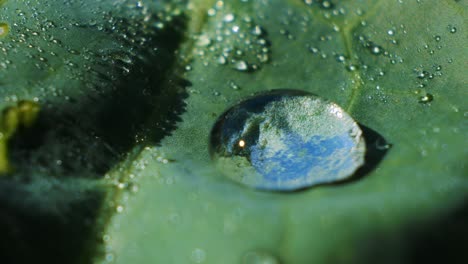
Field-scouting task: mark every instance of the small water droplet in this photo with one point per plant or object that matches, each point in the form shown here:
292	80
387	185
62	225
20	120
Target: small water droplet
203	40
233	85
340	58
437	38
421	74
326	4
241	65
257	30
228	18
452	29
351	67
376	50
427	98
286	140
314	50
211	12
119	209
221	60
109	257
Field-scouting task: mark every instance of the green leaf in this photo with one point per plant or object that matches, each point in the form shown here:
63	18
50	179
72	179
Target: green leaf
114	91
94	71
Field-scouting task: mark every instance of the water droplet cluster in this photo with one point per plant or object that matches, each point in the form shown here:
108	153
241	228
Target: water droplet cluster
237	41
45	43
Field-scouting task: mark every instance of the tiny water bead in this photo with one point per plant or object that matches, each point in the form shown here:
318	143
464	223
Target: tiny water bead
284	140
427	98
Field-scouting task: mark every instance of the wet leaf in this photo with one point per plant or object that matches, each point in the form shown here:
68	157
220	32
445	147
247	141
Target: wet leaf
137	128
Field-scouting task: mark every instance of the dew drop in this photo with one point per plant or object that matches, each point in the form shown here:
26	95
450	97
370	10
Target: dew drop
340	58
233	85
119	209
285	140
351	67
257	30
376	50
109	257
221	60
453	29
427	98
241	66
326	4
228	18
203	40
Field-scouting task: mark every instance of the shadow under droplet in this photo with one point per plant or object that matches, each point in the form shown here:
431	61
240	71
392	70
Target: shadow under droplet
376	149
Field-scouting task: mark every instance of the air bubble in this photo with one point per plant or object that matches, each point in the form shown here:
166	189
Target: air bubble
285	140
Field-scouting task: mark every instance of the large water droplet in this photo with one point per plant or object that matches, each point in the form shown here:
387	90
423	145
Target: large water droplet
285	140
